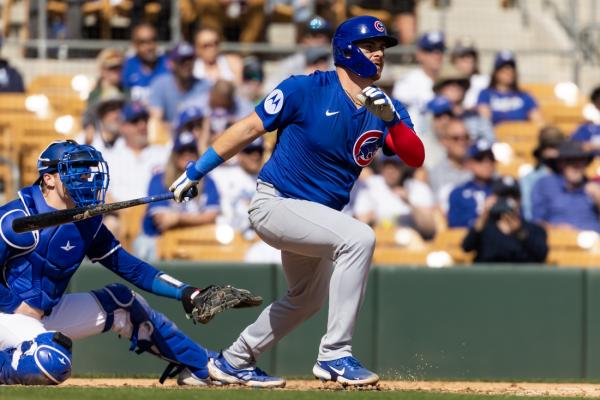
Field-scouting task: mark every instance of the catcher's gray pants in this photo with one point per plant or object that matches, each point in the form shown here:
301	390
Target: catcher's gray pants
322	250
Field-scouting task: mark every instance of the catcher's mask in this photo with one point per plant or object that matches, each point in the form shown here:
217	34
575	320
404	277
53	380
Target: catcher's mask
81	168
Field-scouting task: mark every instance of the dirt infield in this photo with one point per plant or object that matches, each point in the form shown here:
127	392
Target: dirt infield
490	388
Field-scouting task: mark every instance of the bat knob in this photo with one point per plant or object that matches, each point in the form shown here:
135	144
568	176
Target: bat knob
191	193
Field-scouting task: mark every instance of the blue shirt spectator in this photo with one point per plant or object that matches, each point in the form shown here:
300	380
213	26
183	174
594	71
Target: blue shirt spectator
11	80
467	200
567	198
503	100
208	200
140	69
173	92
589	132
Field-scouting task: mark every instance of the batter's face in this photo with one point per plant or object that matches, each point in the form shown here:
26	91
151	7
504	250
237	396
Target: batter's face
374	50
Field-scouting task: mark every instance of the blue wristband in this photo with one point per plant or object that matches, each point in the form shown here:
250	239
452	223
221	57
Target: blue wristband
206	163
165	285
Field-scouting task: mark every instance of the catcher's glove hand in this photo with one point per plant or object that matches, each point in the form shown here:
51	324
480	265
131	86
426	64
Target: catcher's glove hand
201	305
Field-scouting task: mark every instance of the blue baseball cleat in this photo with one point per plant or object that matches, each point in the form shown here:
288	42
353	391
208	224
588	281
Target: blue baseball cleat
220	370
345	370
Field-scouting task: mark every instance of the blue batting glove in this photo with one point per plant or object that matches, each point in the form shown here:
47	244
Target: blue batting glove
379	104
185	188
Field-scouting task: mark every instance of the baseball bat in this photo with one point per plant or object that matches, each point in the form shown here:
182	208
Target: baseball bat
44	220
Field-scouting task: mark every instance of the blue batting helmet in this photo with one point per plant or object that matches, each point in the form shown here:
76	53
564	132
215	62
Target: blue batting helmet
81	168
347	54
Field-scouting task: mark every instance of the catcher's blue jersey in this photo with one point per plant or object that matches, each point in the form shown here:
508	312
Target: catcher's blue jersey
323	140
37	266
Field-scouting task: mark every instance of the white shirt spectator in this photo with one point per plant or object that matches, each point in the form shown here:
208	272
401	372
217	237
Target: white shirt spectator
377	197
130	173
236	188
415	90
478	82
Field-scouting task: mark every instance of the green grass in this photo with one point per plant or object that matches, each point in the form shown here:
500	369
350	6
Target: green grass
61	393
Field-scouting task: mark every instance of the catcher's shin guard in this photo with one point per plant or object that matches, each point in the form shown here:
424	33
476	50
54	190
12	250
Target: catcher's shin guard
45	360
153	332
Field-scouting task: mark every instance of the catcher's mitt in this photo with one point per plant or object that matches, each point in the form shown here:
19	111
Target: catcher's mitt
201	305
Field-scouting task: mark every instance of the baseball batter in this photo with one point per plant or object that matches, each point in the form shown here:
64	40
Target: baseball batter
38	320
330	125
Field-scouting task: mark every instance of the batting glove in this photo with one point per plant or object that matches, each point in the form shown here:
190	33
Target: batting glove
184	188
379	104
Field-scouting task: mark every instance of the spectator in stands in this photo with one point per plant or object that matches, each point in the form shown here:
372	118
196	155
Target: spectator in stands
241	20
211	64
439	113
236	183
546	152
500	234
394	197
165	215
314	34
466	201
465	57
400	14
503	100
172	92
192	120
415	89
226	107
589	132
146	64
11	80
451	171
109	83
106	117
567	198
133	161
253	76
453	85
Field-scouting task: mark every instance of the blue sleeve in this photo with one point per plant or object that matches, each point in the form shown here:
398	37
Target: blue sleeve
127	71
484	97
530	103
458	210
213	199
539	201
155	98
107	250
403	113
155	187
582	134
281	106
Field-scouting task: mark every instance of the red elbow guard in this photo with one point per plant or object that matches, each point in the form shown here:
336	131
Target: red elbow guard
406	144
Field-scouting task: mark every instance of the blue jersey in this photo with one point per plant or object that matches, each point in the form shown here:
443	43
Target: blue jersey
36	267
466	203
207	200
323	140
137	78
587	132
511	106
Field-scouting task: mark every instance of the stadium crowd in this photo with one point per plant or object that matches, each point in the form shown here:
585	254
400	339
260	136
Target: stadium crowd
189	94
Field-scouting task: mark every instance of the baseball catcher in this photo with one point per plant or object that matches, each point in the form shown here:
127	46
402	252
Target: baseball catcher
38	320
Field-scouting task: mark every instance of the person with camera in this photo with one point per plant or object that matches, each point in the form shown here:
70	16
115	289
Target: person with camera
500	234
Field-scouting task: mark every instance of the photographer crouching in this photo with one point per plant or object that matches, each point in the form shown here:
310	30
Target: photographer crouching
500	234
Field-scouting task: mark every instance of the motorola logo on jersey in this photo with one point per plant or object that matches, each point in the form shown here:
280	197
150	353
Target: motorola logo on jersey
274	102
366	147
379	26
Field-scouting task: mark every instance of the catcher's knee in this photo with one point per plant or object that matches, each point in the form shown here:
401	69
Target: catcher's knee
45	360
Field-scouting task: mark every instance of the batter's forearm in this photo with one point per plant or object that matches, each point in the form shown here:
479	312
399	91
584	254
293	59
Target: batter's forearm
238	136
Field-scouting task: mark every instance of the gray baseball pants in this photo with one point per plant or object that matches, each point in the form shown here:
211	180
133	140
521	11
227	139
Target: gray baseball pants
323	251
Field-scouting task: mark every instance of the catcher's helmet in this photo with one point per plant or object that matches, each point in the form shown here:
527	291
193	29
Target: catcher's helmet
347	54
81	168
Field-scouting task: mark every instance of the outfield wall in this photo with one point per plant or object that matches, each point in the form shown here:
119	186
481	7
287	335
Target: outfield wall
463	323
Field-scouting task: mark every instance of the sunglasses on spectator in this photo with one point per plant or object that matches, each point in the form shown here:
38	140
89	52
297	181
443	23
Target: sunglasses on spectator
206	45
145	40
485	157
114	67
458	138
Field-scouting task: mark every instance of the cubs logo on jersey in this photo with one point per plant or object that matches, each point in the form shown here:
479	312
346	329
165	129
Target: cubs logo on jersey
366	147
